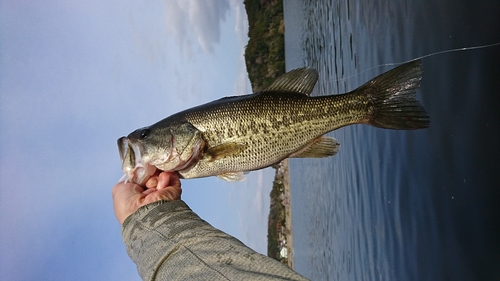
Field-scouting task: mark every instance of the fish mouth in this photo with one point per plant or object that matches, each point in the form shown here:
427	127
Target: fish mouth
130	155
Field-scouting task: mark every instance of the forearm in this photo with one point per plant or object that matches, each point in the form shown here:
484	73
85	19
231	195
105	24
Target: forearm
168	241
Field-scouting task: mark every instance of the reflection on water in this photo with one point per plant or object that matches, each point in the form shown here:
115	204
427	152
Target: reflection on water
401	205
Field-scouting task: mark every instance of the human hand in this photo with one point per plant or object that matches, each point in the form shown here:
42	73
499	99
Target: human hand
128	197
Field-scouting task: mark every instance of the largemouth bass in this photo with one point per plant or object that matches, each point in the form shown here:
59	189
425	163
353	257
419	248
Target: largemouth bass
238	134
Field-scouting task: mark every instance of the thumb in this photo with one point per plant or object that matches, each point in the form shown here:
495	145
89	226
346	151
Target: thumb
127	199
124	191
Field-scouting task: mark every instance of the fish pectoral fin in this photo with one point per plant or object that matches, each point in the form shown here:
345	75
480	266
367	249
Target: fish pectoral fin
300	80
232	176
320	147
225	150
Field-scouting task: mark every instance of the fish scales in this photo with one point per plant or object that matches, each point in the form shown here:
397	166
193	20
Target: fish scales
271	125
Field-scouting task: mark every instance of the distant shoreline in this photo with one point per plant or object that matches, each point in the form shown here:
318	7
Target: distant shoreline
265	61
288	211
279	234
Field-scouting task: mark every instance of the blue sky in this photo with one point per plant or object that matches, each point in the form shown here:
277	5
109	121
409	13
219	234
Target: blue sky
74	77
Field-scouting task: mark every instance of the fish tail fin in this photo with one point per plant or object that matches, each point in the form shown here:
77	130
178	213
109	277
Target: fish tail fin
392	95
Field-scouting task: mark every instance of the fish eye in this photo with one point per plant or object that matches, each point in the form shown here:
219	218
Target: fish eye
143	134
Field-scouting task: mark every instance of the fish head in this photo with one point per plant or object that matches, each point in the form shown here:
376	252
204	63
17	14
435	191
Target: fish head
168	148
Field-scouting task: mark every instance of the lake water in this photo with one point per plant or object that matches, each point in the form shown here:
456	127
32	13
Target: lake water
401	205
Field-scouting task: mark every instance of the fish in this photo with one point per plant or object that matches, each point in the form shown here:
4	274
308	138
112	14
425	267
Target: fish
234	135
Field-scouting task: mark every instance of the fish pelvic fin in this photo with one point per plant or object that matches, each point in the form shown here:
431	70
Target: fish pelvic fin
232	176
320	147
393	98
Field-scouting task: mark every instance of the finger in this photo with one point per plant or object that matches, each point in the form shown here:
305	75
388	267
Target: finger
149	191
152	182
168	194
169	186
163	181
168	179
171	193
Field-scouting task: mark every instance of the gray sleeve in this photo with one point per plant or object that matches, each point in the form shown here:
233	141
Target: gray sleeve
168	241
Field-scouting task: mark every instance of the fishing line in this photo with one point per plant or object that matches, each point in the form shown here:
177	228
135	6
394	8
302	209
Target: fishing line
423	57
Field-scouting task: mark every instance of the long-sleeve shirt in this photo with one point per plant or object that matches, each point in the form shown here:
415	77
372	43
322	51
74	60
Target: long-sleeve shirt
168	241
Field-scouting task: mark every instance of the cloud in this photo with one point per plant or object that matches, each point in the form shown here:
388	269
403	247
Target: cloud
242	84
195	22
70	93
241	27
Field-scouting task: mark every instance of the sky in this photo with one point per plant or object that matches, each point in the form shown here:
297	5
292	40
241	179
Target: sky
74	77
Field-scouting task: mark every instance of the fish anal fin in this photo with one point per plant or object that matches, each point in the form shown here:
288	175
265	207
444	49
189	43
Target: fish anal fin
225	150
232	176
320	147
300	80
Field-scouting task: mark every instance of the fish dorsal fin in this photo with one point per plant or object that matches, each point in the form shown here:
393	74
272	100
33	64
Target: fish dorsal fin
320	147
300	80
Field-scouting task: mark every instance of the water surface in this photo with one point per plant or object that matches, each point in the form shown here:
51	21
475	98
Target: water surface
401	205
